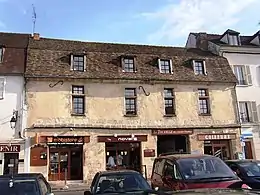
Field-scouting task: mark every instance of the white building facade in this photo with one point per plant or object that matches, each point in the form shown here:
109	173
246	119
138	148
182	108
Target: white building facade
243	55
14	150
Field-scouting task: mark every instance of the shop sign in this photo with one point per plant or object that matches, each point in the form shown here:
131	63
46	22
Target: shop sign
9	148
149	153
173	132
202	137
66	140
136	138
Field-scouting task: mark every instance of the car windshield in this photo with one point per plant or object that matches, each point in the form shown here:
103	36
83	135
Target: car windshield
205	168
121	183
252	169
18	187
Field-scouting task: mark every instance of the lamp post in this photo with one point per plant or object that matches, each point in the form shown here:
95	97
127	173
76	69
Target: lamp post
13	120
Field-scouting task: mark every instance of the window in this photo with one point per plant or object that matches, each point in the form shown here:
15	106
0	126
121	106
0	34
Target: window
78	100
203	101
1	54
233	39
169	102
248	112
165	66
130	101
158	166
2	88
199	67
78	63
43	186
243	74
128	64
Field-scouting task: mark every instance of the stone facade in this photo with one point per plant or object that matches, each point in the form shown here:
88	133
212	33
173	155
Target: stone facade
49	113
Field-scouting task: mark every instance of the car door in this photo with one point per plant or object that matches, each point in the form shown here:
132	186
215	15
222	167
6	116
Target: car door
45	187
168	173
157	173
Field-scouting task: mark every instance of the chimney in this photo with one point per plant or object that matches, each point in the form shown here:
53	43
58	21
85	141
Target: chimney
36	36
202	41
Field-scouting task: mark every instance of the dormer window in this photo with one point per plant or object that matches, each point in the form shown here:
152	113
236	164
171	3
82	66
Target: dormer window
199	67
233	39
1	54
165	66
128	64
78	63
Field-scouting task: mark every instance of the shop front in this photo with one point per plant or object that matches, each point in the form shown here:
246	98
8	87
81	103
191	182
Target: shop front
63	155
123	151
172	141
218	144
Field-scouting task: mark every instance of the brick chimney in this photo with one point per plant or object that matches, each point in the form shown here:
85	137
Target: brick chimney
202	41
36	36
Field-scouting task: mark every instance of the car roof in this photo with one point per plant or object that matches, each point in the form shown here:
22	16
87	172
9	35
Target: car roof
242	161
22	175
117	172
184	156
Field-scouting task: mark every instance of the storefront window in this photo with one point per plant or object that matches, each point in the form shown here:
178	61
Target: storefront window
218	148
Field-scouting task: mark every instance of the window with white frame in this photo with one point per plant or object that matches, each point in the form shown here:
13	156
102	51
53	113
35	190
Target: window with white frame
169	101
2	88
130	101
128	64
242	74
233	39
204	101
199	67
248	112
165	65
78	100
78	63
1	54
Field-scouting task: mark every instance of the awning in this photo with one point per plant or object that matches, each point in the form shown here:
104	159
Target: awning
247	134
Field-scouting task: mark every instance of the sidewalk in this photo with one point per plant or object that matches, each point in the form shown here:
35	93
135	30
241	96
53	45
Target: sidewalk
70	187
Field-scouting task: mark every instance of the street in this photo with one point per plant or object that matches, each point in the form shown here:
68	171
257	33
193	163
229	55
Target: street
69	193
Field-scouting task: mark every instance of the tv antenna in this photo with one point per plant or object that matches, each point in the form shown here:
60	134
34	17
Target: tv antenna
33	18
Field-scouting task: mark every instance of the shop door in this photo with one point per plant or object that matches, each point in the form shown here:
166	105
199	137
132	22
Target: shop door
59	164
248	150
221	151
11	161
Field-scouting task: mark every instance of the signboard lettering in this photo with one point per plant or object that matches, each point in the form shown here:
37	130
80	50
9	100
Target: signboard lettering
122	138
9	148
172	132
216	136
65	140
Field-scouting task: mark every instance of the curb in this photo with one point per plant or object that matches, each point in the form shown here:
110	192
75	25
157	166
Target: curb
62	189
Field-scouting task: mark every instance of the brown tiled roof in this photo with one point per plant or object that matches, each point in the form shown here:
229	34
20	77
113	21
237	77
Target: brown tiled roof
51	58
14	57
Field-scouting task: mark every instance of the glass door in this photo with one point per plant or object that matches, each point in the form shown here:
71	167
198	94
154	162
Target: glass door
58	165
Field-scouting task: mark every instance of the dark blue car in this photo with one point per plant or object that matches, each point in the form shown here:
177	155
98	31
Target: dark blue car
247	170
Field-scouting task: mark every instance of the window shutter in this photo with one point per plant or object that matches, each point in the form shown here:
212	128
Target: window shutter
171	66
159	64
122	64
254	111
2	88
71	62
85	63
248	75
135	64
1	54
204	67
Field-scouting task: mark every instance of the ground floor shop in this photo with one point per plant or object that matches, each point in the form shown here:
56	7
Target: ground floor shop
79	155
12	159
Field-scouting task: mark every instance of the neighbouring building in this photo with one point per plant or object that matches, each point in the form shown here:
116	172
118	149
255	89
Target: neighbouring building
90	101
14	150
243	55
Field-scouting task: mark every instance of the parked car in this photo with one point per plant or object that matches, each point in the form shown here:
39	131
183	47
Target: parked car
24	184
247	170
191	171
122	181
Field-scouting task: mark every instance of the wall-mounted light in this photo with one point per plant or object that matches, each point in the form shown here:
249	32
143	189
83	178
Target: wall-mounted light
14	119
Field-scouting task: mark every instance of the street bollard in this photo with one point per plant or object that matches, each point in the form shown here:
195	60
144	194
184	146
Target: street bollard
65	179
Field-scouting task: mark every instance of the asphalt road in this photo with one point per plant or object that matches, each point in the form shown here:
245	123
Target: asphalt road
69	193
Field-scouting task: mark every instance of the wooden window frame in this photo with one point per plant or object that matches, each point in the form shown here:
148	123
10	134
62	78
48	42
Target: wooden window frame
251	109
203	67
72	61
134	97
170	66
1	54
229	35
246	74
172	98
78	95
123	63
2	87
206	98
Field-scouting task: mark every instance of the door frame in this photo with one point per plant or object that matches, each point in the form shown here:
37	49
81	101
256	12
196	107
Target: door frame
61	175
